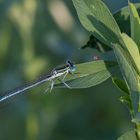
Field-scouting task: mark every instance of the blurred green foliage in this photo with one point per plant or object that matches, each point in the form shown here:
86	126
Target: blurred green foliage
36	36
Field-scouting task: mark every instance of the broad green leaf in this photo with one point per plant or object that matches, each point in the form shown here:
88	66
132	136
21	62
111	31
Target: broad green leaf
90	74
121	85
135	24
131	135
129	74
133	51
96	17
89	80
126	67
122	17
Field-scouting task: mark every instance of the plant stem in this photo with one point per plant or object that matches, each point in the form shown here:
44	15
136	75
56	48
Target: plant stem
138	130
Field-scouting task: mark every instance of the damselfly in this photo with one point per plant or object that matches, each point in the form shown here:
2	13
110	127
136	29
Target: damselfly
55	74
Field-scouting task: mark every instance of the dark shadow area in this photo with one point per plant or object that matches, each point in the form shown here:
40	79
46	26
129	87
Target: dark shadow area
105	34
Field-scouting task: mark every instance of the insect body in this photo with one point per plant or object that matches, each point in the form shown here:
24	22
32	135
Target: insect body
55	74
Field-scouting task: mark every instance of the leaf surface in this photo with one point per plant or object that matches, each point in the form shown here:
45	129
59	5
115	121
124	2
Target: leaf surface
90	74
135	24
96	17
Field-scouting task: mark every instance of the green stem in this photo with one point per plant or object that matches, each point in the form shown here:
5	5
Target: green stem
138	130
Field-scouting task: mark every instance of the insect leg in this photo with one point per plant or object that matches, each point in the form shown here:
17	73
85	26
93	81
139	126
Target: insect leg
52	85
64	81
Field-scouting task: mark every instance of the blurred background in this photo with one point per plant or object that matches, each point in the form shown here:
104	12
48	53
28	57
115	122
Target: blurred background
36	36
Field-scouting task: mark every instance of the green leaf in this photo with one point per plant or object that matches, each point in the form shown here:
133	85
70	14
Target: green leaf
135	24
122	17
133	51
96	17
89	74
121	85
89	80
130	75
131	135
126	67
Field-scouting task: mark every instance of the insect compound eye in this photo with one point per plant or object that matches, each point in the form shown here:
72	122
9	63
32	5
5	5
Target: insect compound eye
72	66
69	63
